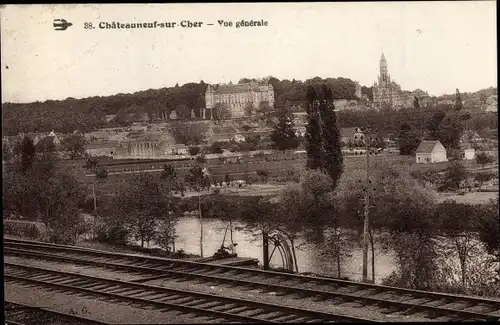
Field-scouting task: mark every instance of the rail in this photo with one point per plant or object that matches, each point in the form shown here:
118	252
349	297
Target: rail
389	298
201	304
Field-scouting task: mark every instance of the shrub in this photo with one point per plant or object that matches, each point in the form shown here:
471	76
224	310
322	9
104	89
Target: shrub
246	127
201	159
216	148
262	173
193	151
26	229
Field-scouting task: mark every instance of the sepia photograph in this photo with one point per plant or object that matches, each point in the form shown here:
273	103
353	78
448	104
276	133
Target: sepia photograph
206	163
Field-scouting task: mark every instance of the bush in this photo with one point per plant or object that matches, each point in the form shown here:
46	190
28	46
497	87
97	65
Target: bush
201	159
216	148
193	151
26	229
262	173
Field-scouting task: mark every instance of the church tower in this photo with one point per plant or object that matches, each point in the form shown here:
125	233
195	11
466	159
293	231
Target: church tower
384	77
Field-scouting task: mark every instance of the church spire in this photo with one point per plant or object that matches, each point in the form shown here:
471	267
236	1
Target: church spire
384	75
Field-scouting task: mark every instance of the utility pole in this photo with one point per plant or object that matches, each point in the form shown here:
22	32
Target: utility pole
366	211
265	247
201	224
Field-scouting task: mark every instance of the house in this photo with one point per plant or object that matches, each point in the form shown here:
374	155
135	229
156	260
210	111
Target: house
239	137
492	104
101	149
49	140
352	135
469	154
430	152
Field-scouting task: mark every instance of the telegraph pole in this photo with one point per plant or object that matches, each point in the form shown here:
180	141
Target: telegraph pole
366	212
265	247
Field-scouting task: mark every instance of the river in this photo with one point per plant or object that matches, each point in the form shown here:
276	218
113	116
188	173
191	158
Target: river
309	255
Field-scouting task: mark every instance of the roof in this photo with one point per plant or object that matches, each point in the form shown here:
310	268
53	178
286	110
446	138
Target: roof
347	132
46	141
100	145
426	146
229	89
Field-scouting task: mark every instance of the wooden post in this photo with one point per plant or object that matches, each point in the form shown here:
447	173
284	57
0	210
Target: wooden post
265	247
366	210
201	224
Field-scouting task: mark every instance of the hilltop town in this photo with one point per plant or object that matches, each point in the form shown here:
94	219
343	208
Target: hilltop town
250	162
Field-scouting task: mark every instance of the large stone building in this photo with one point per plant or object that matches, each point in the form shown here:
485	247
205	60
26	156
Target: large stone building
388	94
148	147
237	97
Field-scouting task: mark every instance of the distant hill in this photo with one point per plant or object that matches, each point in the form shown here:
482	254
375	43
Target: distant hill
88	114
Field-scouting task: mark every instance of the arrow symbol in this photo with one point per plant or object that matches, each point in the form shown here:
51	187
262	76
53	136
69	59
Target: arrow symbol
61	24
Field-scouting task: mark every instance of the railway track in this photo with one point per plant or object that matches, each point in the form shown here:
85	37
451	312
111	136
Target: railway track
24	314
142	295
388	299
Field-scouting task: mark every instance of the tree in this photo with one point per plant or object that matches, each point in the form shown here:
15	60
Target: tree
194	150
221	111
263	174
483	158
408	140
171	185
248	109
455	174
313	132
458	101
434	122
216	148
264	107
489	228
91	164
189	134
49	197
283	135
28	154
416	104
141	205
7	152
253	141
458	223
198	180
288	217
183	112
401	213
483	177
75	145
100	175
333	160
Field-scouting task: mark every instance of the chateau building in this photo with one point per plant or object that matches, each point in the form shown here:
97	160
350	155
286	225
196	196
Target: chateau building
237	97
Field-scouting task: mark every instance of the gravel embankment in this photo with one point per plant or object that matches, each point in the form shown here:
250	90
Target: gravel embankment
347	309
97	309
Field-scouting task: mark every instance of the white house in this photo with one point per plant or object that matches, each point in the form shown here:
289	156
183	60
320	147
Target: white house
430	152
469	154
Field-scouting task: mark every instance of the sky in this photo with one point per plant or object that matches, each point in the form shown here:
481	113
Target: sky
434	46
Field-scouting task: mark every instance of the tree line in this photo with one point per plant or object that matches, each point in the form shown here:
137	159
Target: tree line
87	114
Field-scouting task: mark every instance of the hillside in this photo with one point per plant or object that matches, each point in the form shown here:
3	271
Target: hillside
90	113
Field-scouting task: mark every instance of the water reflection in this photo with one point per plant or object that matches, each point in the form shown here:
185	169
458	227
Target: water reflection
311	257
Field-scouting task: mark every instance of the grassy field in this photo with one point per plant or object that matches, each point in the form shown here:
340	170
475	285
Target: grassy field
470	198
